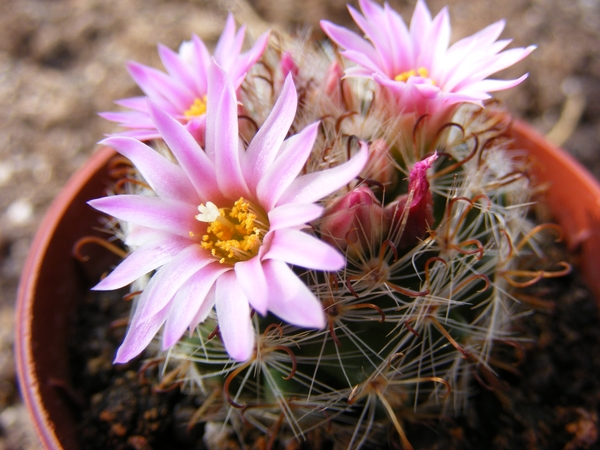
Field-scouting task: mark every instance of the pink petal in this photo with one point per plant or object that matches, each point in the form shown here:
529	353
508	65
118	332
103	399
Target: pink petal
230	44
177	68
205	308
200	64
169	278
300	249
162	89
136	103
154	212
233	313
266	143
139	335
142	261
165	178
491	85
132	119
293	215
248	59
290	299
349	40
190	299
231	181
286	167
195	163
314	186
252	280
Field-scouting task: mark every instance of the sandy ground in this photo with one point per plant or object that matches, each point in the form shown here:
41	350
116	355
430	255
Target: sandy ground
61	61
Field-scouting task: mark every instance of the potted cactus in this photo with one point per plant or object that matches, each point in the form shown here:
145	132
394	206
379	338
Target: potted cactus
321	242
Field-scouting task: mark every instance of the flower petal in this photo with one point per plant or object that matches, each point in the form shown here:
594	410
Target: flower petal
290	299
233	313
300	249
266	144
227	158
169	278
194	162
142	261
188	300
167	179
252	280
287	166
153	212
293	215
139	335
314	186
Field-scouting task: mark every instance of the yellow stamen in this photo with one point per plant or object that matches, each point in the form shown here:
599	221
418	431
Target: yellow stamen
421	72
197	109
233	234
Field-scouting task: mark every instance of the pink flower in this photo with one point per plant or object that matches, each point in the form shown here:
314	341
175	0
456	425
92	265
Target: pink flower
224	225
181	92
417	65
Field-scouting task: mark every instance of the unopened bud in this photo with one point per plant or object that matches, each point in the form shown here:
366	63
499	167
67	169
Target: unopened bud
288	65
410	215
355	222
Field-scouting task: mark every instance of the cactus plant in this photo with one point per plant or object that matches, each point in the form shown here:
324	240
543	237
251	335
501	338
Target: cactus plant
343	246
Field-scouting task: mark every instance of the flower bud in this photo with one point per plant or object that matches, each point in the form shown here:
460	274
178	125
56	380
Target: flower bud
409	222
288	65
355	222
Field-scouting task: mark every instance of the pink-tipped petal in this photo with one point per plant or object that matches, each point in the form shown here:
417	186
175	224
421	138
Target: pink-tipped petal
169	278
286	167
300	249
293	215
177	68
265	145
194	162
188	300
314	186
139	335
228	156
233	313
252	280
165	215
142	261
165	178
290	299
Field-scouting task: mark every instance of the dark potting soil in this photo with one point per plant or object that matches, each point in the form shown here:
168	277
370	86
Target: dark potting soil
550	400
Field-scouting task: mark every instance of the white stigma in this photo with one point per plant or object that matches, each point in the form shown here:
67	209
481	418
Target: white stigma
208	212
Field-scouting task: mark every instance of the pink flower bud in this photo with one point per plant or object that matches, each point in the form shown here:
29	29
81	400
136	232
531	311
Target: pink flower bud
355	222
332	78
288	65
409	222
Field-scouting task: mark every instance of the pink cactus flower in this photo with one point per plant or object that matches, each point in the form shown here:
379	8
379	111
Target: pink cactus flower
181	92
224	224
416	64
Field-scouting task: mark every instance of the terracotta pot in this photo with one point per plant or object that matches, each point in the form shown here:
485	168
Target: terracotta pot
53	282
573	197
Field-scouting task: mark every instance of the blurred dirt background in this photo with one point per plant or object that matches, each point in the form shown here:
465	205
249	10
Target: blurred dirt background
61	61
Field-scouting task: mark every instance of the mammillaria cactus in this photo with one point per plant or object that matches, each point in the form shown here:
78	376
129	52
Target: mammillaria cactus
327	251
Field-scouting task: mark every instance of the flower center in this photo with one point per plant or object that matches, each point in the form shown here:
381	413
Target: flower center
233	234
197	109
420	72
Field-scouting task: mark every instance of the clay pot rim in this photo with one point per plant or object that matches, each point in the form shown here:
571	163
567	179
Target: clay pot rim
28	381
